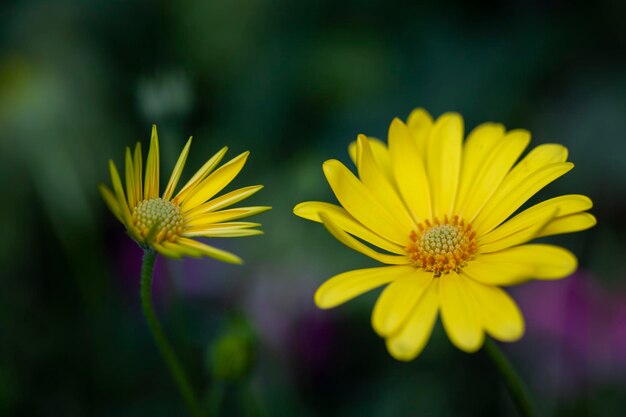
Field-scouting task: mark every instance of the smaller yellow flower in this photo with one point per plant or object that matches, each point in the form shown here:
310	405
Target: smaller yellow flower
167	224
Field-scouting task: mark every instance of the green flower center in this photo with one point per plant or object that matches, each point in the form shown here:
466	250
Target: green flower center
442	239
157	219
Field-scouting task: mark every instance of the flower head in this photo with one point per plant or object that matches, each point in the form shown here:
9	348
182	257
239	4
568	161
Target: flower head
168	222
437	212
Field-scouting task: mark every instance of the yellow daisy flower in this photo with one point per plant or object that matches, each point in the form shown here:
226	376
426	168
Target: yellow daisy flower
169	223
438	211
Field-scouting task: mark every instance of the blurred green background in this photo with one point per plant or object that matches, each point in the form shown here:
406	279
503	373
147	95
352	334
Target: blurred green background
294	82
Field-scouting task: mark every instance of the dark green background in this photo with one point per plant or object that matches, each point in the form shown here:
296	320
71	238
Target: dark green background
293	82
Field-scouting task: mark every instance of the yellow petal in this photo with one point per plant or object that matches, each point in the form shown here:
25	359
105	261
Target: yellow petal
200	229
420	123
491	271
409	171
111	201
519	236
200	175
172	251
562	205
129	170
137	163
499	314
238	225
225	215
203	249
352	152
487	220
459	313
344	287
540	158
382	157
409	342
356	245
568	224
176	250
224	232
493	171
514	265
215	182
119	194
397	301
178	169
224	201
209	230
372	176
311	210
151	184
362	205
444	162
238	233
478	146
380	152
566	204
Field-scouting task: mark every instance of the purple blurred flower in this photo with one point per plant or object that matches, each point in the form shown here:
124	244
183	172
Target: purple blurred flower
127	268
282	310
575	332
190	278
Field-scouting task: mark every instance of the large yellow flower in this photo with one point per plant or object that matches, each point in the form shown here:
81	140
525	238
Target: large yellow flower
167	224
438	209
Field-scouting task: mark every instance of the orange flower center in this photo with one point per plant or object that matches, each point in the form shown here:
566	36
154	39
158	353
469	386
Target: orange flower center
158	219
442	247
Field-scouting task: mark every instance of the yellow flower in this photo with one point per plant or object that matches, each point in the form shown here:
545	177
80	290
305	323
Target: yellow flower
439	211
168	223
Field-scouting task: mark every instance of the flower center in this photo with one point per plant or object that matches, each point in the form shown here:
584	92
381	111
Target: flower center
442	247
158	219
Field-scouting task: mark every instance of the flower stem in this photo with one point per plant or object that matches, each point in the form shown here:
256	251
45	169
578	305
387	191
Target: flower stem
513	382
147	267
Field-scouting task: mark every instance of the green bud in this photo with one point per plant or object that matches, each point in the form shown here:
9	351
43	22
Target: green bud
231	356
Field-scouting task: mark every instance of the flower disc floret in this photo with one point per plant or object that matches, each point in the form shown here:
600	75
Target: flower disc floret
441	248
159	218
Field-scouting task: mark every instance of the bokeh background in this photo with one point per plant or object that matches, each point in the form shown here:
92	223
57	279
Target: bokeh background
294	82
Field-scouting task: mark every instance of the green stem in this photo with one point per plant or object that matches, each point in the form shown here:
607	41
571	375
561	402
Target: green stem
147	267
513	382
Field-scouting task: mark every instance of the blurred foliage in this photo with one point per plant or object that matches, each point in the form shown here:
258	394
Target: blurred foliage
294	82
232	355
